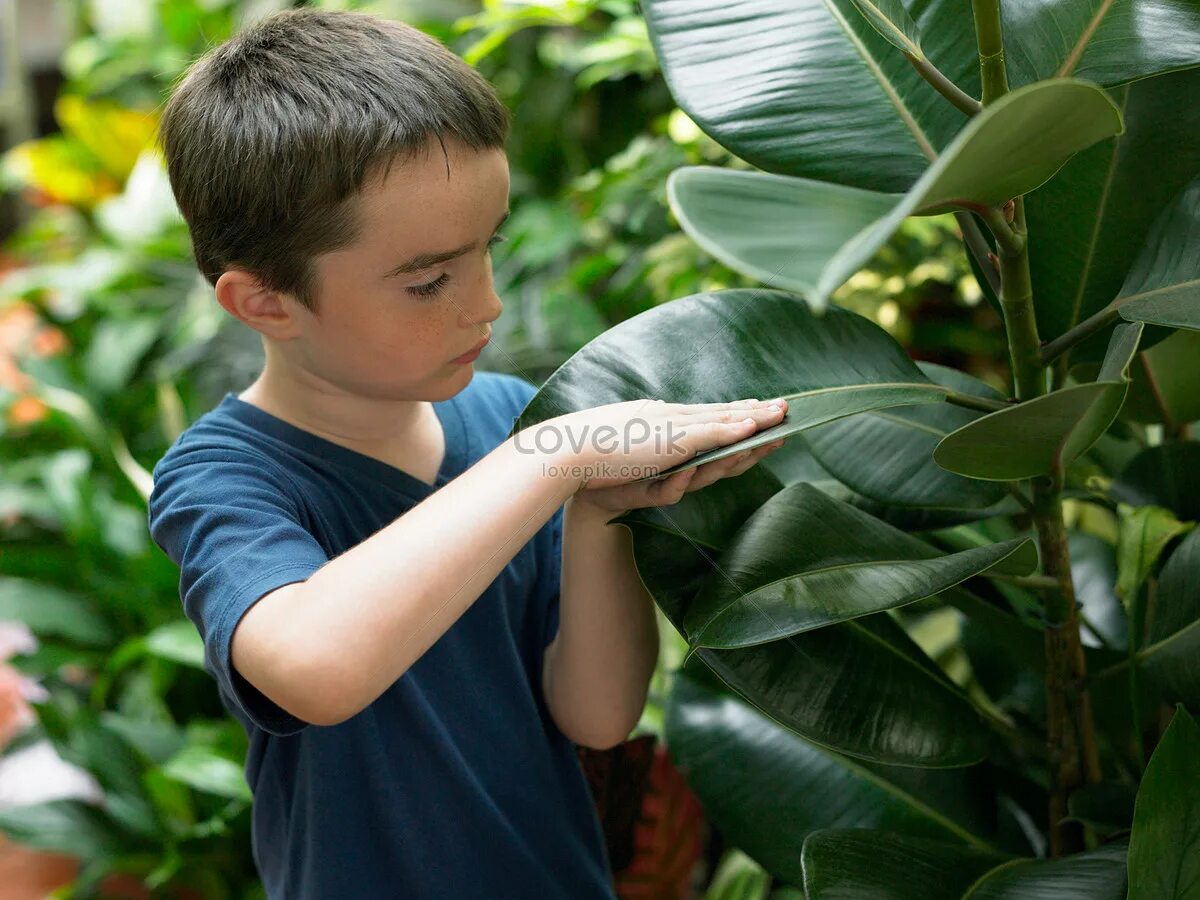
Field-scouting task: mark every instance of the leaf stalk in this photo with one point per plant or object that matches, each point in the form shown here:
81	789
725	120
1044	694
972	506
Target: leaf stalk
959	98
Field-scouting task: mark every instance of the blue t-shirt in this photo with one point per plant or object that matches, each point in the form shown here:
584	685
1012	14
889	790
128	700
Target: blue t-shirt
455	782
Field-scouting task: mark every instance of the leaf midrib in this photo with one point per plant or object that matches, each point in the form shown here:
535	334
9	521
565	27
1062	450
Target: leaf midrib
864	564
888	88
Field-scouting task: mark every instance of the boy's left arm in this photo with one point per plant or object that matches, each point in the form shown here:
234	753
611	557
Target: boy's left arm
597	670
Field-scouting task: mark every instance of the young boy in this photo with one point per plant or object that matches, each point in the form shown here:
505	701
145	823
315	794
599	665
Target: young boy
374	566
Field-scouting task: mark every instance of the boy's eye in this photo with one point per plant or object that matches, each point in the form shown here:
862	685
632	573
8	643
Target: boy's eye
430	288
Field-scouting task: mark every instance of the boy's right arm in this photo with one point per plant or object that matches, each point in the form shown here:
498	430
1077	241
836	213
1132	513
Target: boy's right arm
326	648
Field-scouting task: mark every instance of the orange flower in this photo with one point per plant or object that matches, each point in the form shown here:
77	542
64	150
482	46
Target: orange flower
26	410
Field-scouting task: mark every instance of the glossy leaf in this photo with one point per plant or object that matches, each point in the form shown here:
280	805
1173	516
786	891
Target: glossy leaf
805	561
861	688
1035	437
831	99
829	96
1163	287
1164	849
1099	208
891	19
840	865
732	344
892	460
989	162
780	230
767	788
1106	41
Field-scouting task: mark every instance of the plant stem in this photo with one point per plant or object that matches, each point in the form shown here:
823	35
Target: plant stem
1074	757
1085	329
1030	582
1007	237
1019	494
1016	301
970	401
989	35
1072	753
943	85
977	245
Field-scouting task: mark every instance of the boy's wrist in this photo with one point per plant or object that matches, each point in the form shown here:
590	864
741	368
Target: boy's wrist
559	464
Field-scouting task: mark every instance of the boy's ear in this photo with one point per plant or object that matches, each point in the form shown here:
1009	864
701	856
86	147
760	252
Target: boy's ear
242	296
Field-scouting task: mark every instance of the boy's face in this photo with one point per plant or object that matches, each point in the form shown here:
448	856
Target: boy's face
394	335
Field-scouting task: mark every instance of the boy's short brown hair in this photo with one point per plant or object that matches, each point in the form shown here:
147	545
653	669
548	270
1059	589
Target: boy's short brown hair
269	136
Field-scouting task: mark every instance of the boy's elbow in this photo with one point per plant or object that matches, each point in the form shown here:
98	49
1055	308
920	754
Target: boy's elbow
310	680
320	688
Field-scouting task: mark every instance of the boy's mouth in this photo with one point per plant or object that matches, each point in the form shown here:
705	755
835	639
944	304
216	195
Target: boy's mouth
473	353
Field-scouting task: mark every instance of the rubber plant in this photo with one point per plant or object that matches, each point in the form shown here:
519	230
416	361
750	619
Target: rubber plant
887	690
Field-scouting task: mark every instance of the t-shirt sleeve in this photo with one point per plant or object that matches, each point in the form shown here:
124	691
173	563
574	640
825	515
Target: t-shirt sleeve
234	530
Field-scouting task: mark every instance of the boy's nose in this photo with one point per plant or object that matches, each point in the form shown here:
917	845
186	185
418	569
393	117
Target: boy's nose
488	311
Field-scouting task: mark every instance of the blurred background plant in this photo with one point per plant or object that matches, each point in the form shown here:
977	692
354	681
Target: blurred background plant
111	343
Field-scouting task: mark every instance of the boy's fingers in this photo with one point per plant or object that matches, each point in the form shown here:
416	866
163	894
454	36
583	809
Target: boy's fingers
761	412
691	408
672	488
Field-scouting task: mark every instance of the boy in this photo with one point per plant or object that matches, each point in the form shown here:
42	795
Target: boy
373	564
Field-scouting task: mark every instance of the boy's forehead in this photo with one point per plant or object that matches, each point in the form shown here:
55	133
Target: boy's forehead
463	188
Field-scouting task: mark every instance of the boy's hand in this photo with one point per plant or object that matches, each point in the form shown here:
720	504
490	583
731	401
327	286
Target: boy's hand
670	490
607	447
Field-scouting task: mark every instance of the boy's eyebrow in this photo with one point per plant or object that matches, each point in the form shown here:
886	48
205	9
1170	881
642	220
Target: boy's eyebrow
425	260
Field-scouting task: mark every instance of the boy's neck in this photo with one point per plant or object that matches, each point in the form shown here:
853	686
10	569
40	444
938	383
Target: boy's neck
399	432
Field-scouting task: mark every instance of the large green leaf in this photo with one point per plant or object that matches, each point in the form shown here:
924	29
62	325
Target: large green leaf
1164	849
1087	225
810	88
857	864
793	462
891	19
804	88
767	789
1163	287
861	688
892	460
754	222
1039	435
780	230
1106	41
732	344
805	561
